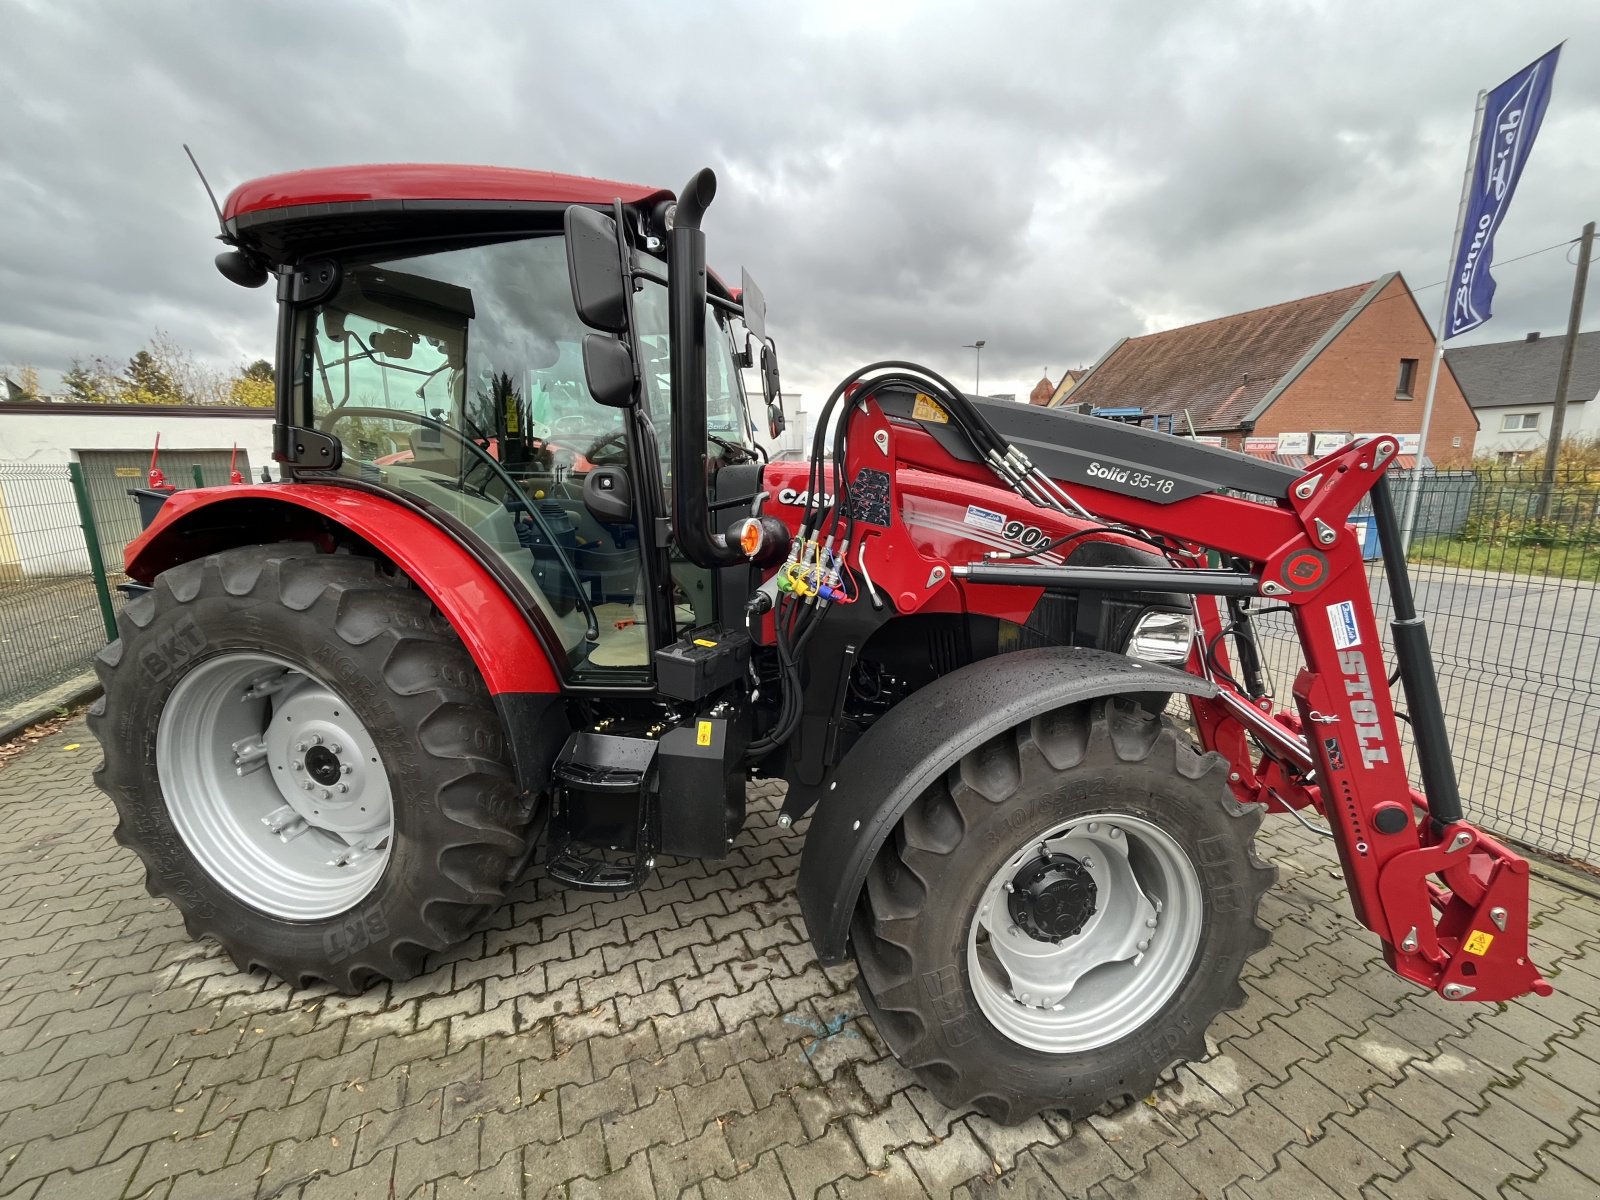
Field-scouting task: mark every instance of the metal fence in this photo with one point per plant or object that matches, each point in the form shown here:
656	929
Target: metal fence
56	601
1512	602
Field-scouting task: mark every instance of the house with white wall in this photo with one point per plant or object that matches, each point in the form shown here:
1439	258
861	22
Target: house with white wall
112	444
1512	388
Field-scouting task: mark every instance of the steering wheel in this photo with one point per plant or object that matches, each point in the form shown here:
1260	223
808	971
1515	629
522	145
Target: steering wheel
325	423
610	439
570	423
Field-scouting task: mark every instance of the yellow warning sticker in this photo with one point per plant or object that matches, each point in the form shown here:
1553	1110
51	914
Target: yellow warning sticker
1478	943
925	409
704	642
702	733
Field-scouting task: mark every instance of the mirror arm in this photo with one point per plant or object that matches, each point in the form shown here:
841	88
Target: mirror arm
629	268
686	299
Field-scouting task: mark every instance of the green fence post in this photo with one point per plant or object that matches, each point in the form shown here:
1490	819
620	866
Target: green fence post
199	479
91	540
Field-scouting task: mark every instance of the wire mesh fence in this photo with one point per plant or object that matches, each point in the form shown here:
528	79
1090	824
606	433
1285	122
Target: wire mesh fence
1507	575
54	603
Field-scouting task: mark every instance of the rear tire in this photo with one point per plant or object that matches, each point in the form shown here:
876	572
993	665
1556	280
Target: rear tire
1045	806
221	823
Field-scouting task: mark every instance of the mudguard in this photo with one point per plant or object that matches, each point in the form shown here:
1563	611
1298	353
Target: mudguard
924	736
494	629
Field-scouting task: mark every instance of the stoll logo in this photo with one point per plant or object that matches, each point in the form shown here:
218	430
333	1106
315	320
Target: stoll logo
1363	710
1109	474
800	499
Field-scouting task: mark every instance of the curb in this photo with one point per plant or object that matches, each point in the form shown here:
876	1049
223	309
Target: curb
20	716
1574	879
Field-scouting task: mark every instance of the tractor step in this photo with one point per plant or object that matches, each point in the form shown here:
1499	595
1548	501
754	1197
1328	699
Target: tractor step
587	868
601	834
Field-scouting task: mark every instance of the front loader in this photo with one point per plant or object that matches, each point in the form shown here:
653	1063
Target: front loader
529	593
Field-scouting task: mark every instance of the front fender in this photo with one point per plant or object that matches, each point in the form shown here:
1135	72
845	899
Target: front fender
494	629
927	734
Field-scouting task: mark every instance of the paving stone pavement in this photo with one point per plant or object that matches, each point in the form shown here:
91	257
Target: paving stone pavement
683	1041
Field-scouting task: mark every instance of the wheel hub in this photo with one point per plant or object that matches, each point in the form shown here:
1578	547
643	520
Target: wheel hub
275	786
323	760
1052	898
1084	932
322	765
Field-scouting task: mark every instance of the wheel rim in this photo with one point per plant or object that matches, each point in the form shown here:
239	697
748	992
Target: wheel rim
1084	933
275	786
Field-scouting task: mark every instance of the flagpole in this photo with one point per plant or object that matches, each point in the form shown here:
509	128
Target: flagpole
1414	492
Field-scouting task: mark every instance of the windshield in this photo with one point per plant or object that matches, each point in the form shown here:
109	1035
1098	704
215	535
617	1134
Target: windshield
457	378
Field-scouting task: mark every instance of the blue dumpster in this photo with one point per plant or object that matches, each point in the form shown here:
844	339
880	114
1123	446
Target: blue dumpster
1367	536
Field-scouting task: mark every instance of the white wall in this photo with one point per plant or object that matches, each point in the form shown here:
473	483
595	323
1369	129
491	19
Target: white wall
36	528
57	437
1582	420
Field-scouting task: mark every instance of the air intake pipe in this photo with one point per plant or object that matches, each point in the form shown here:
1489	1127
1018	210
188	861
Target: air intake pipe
686	323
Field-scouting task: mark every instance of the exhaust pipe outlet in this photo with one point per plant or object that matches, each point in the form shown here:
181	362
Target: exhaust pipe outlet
686	323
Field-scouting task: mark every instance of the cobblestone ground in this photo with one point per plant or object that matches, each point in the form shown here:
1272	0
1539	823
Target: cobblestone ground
684	1040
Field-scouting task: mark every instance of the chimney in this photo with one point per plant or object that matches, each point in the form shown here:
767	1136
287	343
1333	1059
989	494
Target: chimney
1532	337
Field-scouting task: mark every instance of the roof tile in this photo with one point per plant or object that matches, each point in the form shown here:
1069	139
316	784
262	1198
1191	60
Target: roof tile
1219	369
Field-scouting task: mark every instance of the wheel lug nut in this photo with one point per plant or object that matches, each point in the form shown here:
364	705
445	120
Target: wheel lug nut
298	765
1144	945
348	769
308	785
334	747
344	787
325	793
1150	923
1087	862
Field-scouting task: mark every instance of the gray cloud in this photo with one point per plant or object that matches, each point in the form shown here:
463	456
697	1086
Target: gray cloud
901	178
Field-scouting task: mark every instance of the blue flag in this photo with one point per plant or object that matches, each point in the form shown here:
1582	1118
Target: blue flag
1511	121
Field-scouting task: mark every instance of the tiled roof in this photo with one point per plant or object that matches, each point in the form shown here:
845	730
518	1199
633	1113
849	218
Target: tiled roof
1218	370
1519	373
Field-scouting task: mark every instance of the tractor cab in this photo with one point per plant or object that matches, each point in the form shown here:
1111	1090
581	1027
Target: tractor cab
432	351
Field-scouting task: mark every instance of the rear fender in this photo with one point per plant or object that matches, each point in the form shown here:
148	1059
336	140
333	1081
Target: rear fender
496	631
923	737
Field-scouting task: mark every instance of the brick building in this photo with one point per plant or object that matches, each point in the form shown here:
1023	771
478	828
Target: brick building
1297	378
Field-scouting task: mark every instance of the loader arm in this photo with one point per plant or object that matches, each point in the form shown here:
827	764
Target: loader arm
1449	903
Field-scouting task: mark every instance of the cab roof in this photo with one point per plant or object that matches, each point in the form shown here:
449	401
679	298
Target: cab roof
308	211
425	182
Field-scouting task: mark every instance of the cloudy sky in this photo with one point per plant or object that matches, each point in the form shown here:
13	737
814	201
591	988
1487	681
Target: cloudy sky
901	178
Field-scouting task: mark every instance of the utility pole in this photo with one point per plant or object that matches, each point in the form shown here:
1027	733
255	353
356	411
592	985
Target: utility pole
977	370
1558	418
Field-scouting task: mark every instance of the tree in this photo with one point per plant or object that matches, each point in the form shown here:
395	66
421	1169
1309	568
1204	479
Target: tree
25	379
148	380
253	392
89	384
260	369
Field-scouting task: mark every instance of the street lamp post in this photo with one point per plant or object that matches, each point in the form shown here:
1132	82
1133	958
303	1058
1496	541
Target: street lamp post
977	369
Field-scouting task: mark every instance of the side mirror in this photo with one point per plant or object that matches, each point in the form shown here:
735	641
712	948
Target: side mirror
754	305
608	367
596	271
771	390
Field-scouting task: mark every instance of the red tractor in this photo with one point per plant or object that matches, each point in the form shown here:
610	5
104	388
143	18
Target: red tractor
529	587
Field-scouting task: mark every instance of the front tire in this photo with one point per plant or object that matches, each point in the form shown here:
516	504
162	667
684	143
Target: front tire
305	759
1060	919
